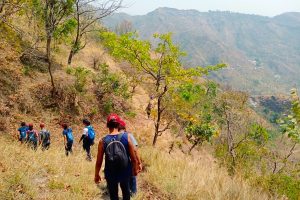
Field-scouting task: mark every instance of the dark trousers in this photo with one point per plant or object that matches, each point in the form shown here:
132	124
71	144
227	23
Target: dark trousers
133	188
113	189
33	144
87	143
45	146
68	147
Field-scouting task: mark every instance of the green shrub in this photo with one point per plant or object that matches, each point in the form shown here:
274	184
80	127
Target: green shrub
54	184
111	90
108	107
81	74
26	70
130	114
281	184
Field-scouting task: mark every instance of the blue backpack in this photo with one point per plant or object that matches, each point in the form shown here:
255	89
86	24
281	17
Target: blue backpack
23	130
69	135
32	135
91	132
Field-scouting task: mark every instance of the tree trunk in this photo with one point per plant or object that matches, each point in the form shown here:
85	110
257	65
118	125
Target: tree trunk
157	123
230	143
194	145
71	54
75	44
49	39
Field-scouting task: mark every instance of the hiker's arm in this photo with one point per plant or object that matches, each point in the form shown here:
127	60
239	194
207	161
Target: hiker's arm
83	136
135	144
38	136
139	161
99	162
65	140
133	157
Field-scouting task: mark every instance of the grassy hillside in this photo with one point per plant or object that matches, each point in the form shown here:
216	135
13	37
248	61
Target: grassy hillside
26	174
234	157
262	52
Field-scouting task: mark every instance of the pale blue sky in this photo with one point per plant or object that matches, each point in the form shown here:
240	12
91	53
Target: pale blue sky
261	7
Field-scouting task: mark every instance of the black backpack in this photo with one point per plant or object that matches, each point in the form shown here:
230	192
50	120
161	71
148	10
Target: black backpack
45	136
116	158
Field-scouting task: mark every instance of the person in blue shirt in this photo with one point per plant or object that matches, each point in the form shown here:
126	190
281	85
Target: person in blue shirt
68	138
22	132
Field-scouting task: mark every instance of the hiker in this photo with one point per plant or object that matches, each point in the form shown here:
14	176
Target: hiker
68	138
32	137
44	137
22	132
120	160
132	182
149	107
88	137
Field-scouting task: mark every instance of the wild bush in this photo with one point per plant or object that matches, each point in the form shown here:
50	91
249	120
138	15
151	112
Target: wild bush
111	90
81	75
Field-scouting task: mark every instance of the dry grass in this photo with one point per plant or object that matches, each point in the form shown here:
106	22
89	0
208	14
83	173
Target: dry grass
26	174
190	178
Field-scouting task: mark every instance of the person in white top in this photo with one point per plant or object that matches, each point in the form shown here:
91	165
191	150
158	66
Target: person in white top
87	139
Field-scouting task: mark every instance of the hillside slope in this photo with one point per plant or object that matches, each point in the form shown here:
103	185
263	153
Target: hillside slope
26	174
262	52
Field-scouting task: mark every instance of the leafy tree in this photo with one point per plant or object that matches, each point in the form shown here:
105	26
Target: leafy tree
290	127
198	133
194	108
87	14
162	69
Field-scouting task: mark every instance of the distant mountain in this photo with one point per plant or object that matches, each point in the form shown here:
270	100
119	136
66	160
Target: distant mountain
263	53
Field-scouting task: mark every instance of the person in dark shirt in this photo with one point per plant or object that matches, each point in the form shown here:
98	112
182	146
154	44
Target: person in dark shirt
116	174
44	137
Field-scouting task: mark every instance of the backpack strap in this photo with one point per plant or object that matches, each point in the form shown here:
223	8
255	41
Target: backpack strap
120	135
106	140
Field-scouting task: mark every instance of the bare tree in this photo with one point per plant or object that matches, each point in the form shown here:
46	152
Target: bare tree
55	14
8	8
231	107
87	14
124	27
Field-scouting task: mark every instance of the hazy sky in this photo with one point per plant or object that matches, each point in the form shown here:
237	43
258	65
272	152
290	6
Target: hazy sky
261	7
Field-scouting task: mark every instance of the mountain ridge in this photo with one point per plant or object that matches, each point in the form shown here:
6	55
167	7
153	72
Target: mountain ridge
262	52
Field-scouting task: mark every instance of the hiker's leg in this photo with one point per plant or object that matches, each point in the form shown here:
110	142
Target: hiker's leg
133	188
66	149
88	152
87	148
125	189
71	146
113	189
35	146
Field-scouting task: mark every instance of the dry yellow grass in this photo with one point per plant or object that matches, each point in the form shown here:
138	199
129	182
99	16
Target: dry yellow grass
26	174
191	178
